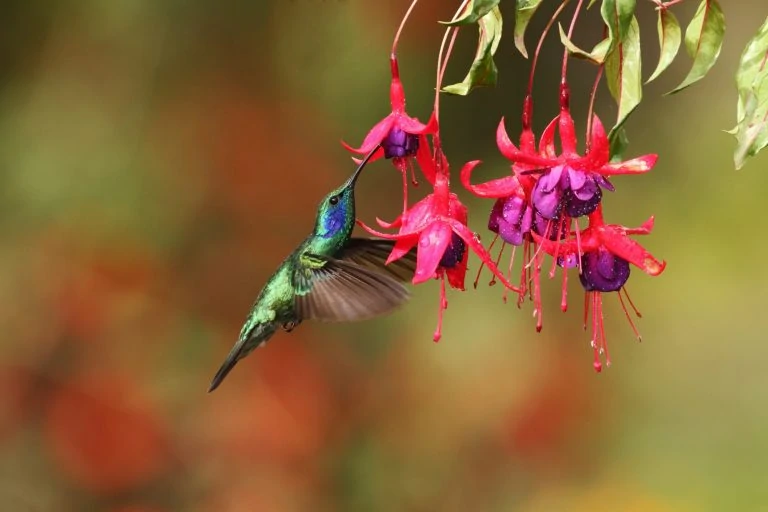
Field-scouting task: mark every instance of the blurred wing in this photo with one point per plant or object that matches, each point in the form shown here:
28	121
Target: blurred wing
372	253
332	290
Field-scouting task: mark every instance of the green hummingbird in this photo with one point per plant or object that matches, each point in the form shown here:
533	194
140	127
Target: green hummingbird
330	277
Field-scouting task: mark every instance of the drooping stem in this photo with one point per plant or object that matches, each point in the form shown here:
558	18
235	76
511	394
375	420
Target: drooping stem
402	24
441	73
570	36
591	109
442	62
664	5
535	59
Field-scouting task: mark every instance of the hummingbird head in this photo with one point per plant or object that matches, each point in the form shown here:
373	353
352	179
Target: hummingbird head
336	214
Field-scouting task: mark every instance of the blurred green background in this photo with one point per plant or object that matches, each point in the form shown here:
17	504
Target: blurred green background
159	159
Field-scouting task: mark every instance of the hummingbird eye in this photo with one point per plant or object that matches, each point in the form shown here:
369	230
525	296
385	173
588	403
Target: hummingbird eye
333	200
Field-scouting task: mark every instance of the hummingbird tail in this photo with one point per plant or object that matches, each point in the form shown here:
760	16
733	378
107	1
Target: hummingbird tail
229	363
254	337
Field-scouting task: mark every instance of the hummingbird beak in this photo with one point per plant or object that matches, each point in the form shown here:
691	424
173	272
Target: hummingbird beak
353	179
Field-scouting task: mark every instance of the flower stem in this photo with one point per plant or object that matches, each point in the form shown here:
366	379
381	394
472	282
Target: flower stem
541	42
591	109
442	62
664	5
400	28
570	36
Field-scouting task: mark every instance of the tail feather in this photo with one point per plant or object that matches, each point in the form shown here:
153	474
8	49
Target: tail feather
229	363
255	337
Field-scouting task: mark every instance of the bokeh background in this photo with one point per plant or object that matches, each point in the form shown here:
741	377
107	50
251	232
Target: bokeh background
159	159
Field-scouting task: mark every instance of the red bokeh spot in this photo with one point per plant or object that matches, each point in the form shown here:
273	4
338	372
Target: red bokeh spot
85	300
104	434
137	508
15	384
282	412
554	415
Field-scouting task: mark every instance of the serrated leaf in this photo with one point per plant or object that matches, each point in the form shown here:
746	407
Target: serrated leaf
597	56
617	15
623	74
474	10
524	11
670	37
483	71
752	109
703	41
618	142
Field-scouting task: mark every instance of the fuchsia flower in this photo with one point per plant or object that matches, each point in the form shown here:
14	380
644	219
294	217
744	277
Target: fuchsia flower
605	252
401	137
437	227
547	191
513	216
570	184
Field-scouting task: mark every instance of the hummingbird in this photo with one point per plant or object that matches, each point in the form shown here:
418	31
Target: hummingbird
330	277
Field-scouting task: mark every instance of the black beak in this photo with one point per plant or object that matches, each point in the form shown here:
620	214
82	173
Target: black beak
353	179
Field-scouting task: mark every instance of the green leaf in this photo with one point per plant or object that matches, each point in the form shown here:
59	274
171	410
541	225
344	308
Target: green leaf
670	37
617	15
618	143
597	56
753	68
752	109
524	11
623	73
703	41
474	10
483	71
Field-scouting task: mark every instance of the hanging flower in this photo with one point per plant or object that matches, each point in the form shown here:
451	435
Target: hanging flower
513	216
401	136
605	252
570	184
437	227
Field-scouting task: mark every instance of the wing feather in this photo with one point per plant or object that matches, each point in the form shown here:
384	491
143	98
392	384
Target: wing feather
344	291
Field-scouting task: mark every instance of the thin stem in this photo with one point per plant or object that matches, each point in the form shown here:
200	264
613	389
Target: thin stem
541	42
442	72
665	5
591	109
570	35
442	62
402	24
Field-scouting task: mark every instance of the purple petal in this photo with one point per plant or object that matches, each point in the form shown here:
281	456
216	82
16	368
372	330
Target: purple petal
575	207
551	179
603	182
603	271
588	189
547	204
577	178
513	209
454	253
495	216
510	233
548	228
398	144
527	220
570	260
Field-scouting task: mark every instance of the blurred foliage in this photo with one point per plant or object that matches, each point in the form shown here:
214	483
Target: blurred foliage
160	158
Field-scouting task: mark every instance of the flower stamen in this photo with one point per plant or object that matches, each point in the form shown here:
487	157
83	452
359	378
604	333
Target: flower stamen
626	313
498	260
443	306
